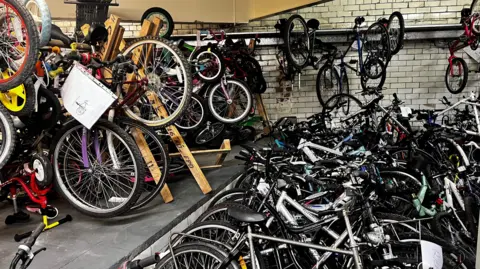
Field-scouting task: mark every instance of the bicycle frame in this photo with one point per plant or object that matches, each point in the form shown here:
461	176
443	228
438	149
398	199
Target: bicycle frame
456	46
467	101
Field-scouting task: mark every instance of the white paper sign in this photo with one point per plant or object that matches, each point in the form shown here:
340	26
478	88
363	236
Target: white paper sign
432	255
406	111
85	97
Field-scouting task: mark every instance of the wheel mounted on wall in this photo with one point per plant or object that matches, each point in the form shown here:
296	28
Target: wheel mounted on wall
456	79
167	20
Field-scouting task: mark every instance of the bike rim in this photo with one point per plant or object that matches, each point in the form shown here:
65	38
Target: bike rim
193	115
10	44
207	65
298	41
233	107
112	187
209	133
167	78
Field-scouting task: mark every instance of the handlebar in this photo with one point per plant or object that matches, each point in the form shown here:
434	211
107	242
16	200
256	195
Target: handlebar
143	263
34	235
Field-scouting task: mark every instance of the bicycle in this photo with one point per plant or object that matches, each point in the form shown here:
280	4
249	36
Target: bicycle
456	75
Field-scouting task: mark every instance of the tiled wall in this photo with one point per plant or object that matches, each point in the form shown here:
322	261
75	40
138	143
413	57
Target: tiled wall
416	73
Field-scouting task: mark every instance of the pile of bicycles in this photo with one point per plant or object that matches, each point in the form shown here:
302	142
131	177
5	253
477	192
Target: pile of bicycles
351	187
375	46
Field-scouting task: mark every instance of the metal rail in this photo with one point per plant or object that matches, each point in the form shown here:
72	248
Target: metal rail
416	32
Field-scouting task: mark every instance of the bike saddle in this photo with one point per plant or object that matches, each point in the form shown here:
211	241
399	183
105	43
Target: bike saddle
246	215
180	45
313	24
59	35
96	34
359	20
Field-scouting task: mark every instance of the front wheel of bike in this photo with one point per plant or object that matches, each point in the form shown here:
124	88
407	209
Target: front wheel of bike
169	78
373	85
296	41
230	101
208	64
19	46
396	32
456	76
41	15
99	171
328	83
377	43
7	136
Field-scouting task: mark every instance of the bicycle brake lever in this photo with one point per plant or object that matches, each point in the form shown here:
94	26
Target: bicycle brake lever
38	251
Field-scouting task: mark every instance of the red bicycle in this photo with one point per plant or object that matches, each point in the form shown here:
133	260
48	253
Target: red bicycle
456	76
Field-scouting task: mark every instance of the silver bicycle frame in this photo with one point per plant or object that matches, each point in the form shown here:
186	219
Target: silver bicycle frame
467	101
305	146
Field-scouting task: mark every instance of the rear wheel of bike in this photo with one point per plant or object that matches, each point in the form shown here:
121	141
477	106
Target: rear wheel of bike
41	15
18	31
341	109
230	101
20	101
296	41
169	79
97	170
372	85
151	188
456	76
195	115
195	255
7	136
165	17
396	32
328	83
209	133
377	46
208	64
232	195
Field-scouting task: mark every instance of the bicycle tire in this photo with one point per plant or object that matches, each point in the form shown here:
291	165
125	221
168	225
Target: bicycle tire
186	77
221	210
464	76
30	58
205	249
247	107
8	136
377	63
229	195
157	10
322	75
199	141
401	32
46	17
163	165
48	113
25	93
201	109
327	108
378	86
382	49
137	163
217	55
287	37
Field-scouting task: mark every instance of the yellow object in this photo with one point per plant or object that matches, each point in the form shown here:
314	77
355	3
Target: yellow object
73	46
242	263
55	73
49	226
15	99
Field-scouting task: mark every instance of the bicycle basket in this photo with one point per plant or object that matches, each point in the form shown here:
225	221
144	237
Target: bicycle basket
91	12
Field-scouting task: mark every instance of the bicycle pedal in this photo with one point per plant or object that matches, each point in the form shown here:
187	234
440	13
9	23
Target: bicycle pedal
353	61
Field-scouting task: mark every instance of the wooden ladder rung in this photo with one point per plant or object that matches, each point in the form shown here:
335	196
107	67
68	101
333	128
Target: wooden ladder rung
200	152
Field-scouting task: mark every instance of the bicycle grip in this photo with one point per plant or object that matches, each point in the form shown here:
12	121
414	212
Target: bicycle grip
31	240
395	96
20	237
445	99
147	262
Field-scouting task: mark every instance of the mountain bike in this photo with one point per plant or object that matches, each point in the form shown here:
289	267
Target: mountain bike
332	78
19	44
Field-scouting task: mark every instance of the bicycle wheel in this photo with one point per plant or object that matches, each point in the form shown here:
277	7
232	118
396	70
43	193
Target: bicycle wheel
456	76
230	101
169	77
150	189
328	83
396	32
195	115
209	133
208	64
20	101
49	112
219	212
296	41
343	111
7	136
165	17
377	44
232	195
373	85
19	44
97	170
195	255
42	17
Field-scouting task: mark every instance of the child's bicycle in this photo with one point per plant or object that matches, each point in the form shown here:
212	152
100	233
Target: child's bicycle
25	254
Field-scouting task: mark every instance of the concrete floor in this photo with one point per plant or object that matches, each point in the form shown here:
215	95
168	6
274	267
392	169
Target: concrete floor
100	243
